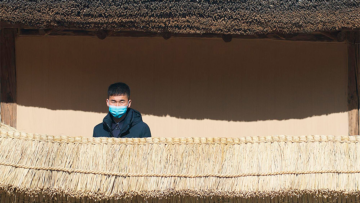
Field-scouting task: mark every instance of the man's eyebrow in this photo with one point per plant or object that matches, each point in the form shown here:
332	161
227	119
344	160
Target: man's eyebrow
116	100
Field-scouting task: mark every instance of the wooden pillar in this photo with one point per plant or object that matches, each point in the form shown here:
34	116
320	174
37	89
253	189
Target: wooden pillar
8	76
353	82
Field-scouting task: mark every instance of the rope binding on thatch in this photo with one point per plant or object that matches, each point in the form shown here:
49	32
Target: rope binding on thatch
42	168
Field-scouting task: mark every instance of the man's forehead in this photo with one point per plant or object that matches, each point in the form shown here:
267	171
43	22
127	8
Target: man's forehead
118	97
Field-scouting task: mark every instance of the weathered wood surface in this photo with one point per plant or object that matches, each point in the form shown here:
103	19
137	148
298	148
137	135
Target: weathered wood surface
8	76
320	37
337	36
353	82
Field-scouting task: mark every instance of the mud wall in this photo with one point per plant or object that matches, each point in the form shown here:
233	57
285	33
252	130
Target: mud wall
184	86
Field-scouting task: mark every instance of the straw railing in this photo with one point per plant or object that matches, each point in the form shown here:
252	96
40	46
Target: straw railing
43	168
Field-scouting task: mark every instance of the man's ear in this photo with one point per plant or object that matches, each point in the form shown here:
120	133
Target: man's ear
129	105
107	102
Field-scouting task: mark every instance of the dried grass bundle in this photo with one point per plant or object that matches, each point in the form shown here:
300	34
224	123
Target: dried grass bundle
42	168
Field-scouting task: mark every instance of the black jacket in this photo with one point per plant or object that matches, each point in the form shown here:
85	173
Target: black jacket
133	126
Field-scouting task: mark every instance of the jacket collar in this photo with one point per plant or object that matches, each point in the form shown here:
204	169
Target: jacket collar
128	121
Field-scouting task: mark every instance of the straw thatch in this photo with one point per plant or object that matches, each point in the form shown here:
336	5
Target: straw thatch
245	17
40	168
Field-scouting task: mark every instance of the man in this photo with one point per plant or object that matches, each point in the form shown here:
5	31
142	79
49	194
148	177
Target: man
121	121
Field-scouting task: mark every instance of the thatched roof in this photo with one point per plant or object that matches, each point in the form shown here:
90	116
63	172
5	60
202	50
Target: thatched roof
40	168
245	17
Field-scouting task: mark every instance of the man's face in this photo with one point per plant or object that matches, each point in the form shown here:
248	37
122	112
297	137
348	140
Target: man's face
118	100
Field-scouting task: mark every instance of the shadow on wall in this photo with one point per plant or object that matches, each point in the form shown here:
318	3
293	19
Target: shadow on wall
244	80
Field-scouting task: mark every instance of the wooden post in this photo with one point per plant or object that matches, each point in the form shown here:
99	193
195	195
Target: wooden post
8	76
353	82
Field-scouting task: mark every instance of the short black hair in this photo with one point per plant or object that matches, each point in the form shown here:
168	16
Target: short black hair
119	88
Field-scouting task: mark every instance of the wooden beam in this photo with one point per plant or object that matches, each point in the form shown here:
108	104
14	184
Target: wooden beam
8	76
353	82
319	37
